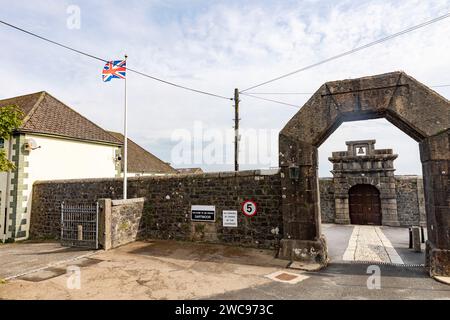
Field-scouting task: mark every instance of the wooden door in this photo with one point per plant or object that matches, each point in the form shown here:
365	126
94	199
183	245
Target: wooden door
364	205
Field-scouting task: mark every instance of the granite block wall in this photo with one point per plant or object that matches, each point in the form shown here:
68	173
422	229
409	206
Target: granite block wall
409	196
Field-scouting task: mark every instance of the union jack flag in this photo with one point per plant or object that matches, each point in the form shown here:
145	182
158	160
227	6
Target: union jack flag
114	70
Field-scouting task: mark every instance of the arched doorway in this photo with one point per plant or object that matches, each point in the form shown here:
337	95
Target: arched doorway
412	107
364	205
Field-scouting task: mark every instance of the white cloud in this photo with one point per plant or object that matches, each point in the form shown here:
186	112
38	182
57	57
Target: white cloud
217	46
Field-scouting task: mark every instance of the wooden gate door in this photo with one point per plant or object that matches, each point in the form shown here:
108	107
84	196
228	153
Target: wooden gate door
364	205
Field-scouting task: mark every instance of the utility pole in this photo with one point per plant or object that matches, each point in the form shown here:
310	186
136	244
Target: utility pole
236	129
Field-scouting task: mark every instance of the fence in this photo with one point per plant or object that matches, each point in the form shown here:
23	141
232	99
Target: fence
79	225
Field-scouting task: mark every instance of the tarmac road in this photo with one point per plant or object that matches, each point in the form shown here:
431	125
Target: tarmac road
186	270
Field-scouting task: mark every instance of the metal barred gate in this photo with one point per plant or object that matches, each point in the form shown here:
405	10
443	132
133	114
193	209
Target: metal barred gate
79	225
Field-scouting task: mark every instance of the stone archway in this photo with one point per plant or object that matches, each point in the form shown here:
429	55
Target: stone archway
412	107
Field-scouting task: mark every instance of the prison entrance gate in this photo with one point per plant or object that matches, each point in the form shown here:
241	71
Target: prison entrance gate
364	204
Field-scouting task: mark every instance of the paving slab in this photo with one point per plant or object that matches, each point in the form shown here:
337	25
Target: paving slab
399	238
370	243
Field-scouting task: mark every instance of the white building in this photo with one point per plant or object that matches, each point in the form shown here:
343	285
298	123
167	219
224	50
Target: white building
54	142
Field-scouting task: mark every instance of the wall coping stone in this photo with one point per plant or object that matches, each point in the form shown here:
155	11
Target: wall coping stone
408	177
120	202
223	174
269	172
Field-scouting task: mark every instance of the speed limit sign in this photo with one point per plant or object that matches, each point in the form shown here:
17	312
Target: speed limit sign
249	208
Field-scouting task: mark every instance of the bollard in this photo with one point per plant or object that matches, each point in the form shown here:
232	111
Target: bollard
410	238
80	232
416	239
422	234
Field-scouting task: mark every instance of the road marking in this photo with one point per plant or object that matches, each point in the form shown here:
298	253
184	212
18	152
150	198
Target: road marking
349	254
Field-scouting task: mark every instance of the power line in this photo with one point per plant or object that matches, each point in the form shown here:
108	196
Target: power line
281	93
104	60
270	100
179	86
353	50
309	93
252	95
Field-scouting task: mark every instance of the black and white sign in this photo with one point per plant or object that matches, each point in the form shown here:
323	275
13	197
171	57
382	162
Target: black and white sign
203	213
249	208
229	218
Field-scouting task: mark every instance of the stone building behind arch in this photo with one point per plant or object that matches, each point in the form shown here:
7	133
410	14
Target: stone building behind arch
365	190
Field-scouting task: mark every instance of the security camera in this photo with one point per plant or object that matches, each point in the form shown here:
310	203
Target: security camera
30	144
118	155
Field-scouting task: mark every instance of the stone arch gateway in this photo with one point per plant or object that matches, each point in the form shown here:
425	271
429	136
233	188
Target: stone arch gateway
411	106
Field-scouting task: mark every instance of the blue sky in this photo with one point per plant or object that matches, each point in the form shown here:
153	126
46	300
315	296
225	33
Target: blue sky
218	46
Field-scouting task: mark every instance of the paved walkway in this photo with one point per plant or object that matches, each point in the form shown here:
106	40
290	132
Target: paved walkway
348	243
368	243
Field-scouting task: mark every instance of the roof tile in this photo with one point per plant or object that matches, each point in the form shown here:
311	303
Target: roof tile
46	114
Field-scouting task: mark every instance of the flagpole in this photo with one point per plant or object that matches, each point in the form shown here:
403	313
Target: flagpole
125	134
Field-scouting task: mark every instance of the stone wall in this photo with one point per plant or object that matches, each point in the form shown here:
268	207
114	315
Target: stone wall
168	200
126	221
47	198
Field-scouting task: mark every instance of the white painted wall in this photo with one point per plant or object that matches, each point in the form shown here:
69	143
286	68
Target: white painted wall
59	158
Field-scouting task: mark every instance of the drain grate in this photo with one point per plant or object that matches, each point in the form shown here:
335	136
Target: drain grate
287	277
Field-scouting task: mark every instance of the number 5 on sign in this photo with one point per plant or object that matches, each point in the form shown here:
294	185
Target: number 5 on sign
249	208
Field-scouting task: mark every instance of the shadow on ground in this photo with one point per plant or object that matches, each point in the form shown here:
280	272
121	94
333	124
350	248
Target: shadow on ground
209	253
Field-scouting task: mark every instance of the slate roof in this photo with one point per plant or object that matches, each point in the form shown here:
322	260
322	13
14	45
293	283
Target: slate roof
190	170
142	161
47	115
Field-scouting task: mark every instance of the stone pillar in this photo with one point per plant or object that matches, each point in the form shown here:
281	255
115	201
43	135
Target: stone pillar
389	211
435	155
421	203
104	223
300	203
342	210
388	197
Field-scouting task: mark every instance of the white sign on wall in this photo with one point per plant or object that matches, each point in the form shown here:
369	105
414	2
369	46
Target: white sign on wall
229	218
203	213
